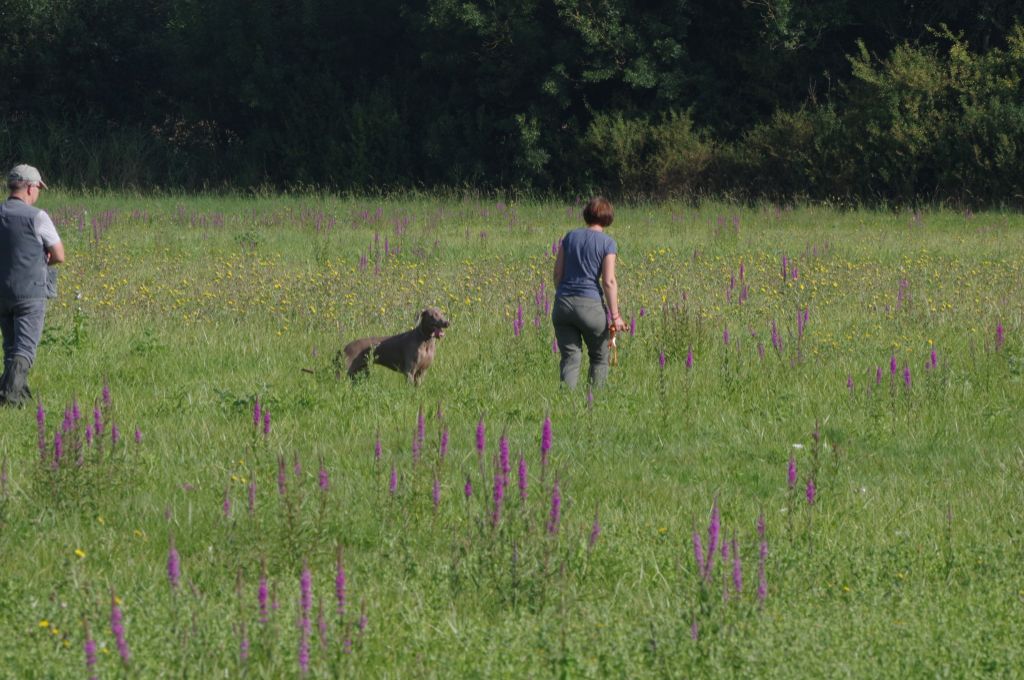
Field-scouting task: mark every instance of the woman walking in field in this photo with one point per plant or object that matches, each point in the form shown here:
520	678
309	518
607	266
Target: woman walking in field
587	294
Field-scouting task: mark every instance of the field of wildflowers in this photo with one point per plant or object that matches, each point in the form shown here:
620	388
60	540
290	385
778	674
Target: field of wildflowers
808	461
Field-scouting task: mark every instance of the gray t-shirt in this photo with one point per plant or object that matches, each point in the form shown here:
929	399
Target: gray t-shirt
584	251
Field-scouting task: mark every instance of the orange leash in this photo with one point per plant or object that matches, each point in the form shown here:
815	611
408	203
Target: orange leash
612	346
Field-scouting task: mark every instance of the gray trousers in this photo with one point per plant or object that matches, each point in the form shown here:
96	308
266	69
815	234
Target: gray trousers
22	325
579	321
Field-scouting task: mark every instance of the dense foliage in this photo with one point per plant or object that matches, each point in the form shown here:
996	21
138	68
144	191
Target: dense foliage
780	98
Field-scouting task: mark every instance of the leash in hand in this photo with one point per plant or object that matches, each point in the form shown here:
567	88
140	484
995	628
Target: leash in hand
612	346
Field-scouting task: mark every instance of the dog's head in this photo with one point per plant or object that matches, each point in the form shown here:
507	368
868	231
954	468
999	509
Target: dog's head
433	323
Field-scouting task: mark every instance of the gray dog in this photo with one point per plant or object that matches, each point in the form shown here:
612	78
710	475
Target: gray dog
410	353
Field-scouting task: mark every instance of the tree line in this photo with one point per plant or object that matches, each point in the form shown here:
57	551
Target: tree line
835	100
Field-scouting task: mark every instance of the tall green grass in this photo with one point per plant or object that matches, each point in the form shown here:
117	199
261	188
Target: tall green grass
190	310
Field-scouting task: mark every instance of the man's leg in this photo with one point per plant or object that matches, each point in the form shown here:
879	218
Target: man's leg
28	330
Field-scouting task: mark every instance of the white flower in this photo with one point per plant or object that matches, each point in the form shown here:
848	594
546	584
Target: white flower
798	446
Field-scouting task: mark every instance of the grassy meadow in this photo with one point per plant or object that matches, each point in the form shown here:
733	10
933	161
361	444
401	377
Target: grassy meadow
807	463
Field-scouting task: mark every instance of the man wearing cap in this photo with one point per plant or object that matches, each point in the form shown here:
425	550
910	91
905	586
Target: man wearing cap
29	245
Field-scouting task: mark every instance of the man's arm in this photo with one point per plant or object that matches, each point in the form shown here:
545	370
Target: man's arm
55	253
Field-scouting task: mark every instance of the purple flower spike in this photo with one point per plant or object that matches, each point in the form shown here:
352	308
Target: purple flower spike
173	565
878	375
1000	337
714	529
468	489
117	629
545	439
934	359
97	421
263	596
323	478
556	509
377	449
893	366
481	437
661	359
444	443
737	567
849	383
266	423
906	376
791	472
725	335
393	481
115	434
698	551
595	531
811	491
498	497
503	454
632	326
106	395
689	358
90	654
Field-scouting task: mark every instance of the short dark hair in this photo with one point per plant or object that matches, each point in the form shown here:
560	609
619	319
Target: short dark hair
599	211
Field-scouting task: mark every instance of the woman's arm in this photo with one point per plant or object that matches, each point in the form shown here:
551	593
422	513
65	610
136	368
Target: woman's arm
611	290
559	266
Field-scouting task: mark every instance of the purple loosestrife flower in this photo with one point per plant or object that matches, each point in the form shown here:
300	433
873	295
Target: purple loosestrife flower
632	326
339	584
467	490
106	395
725	336
811	491
661	359
435	495
393	481
138	435
791	472
88	435
117	629
90	653
849	383
323	478
545	440
737	567
306	590
481	437
173	565
263	595
282	476
878	375
377	449
906	376
556	509
595	531
933	359
714	528
444	443
522	478
689	358
698	551
243	645
893	367
115	434
266	423
503	460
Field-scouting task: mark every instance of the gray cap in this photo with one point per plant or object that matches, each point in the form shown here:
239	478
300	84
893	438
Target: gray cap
26	173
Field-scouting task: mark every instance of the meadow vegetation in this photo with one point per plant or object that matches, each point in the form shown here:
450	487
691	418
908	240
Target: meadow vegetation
806	463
